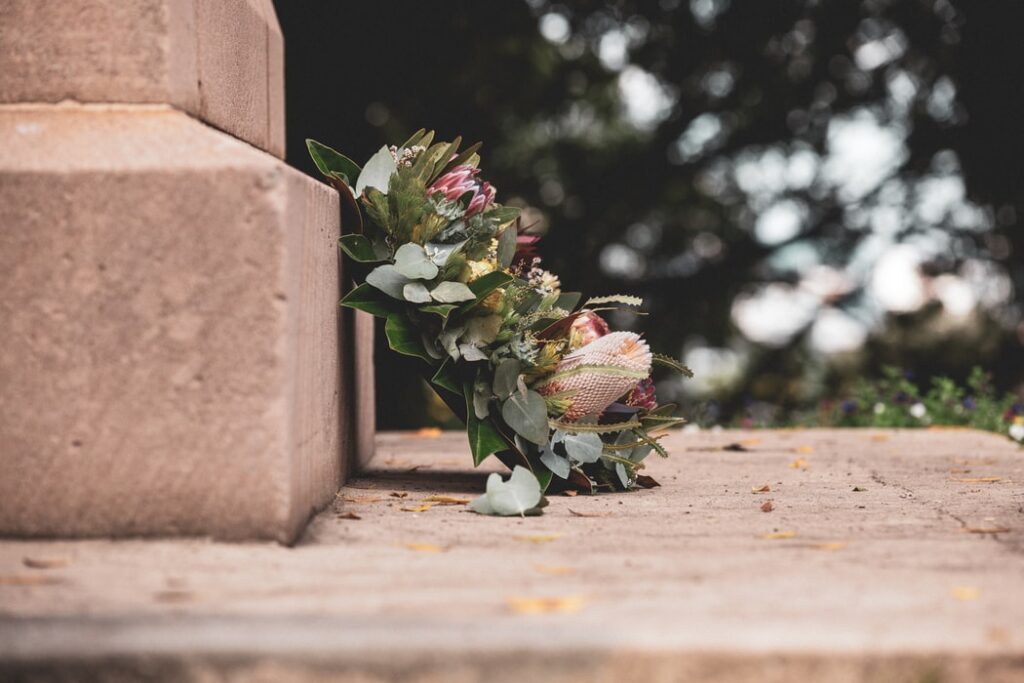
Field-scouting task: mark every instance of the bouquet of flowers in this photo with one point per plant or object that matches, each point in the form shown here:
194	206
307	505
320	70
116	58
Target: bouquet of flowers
540	381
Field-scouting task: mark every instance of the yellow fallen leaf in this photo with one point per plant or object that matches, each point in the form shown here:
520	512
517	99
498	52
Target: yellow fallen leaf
799	464
760	489
879	437
779	535
750	442
965	593
447	500
803	449
539	538
563	605
424	547
29	580
835	545
362	499
986	530
978	480
418	508
428	432
555	570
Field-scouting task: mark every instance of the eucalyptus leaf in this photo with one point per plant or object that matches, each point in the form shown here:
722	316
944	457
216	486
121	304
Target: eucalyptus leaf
377	172
452	292
416	292
620	470
558	464
483	329
412	262
584	448
388	280
506	498
527	414
471	352
440	253
481	399
505	377
449	341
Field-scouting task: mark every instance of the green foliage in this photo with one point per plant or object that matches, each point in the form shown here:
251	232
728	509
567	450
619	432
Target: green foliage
332	163
358	248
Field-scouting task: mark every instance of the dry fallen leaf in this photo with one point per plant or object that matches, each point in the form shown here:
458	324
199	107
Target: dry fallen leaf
859	489
779	535
834	545
986	530
563	605
570	492
428	432
879	437
424	547
978	480
173	596
348	515
760	489
29	580
965	593
419	508
555	570
738	447
799	464
539	538
446	500
45	562
803	449
750	442
587	514
767	506
399	494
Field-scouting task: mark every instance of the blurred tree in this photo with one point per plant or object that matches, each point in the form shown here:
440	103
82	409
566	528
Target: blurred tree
802	190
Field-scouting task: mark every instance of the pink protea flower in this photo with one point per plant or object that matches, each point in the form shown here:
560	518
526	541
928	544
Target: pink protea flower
460	180
594	376
587	327
642	395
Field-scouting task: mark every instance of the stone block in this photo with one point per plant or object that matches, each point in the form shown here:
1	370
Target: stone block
219	60
170	363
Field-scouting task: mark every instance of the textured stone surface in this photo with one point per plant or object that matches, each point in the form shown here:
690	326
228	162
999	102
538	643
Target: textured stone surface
220	60
169	301
917	577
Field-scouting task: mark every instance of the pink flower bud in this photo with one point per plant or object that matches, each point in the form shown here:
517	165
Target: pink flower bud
587	327
460	181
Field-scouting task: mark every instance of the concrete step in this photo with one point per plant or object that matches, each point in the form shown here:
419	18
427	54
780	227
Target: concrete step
885	556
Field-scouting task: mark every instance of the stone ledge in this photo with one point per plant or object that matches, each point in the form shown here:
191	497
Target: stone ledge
220	60
170	359
918	577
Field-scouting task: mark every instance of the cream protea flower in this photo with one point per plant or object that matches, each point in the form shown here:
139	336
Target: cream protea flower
591	378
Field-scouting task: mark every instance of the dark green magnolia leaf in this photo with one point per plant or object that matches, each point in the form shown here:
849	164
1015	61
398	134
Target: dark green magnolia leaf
443	310
507	246
503	214
544	478
333	163
404	337
568	300
484	438
484	285
447	377
370	299
377	172
358	248
527	414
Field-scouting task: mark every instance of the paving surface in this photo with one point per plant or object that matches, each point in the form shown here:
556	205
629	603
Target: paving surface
884	556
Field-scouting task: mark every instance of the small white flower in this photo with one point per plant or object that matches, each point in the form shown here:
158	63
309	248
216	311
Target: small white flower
879	408
1017	432
918	410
